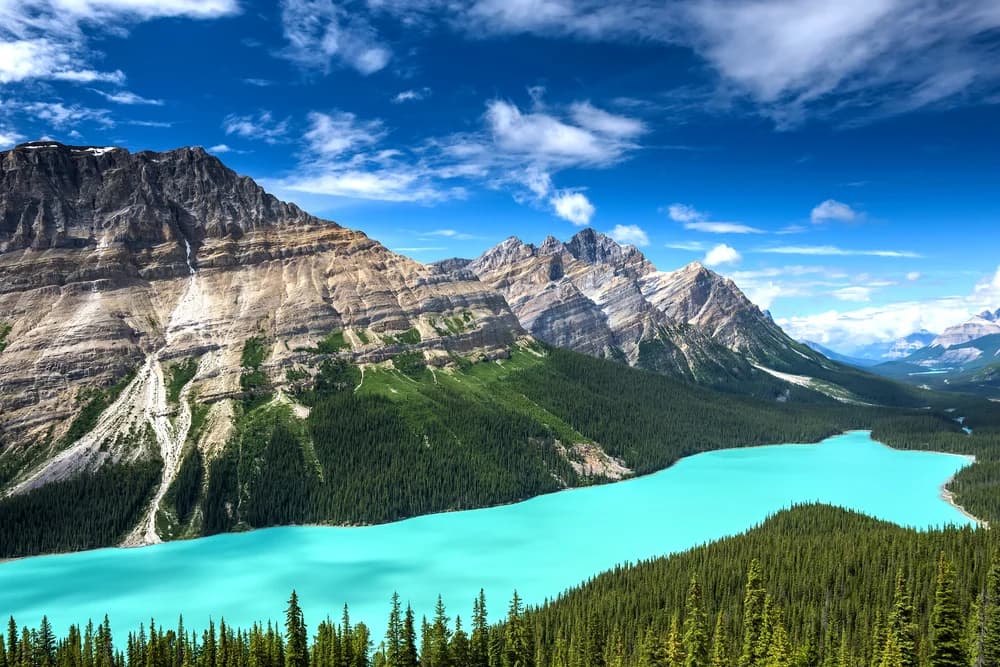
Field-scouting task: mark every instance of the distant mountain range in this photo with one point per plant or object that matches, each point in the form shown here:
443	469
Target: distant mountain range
965	357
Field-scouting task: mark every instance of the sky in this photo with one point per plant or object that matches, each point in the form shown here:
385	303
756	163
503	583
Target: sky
838	160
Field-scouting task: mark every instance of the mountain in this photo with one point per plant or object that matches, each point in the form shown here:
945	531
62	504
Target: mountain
595	296
965	357
836	356
883	351
984	324
182	354
116	268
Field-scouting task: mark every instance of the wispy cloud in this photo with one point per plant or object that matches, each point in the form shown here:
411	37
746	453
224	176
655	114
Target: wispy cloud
127	97
834	251
449	234
9	137
411	95
61	116
692	246
320	33
697	221
263	127
46	39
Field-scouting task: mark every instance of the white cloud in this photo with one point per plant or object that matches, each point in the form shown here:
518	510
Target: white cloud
847	331
763	295
339	132
260	83
574	207
449	234
631	234
127	97
913	275
722	228
220	148
60	116
854	293
891	55
46	39
684	213
722	254
397	185
693	246
9	137
319	32
411	95
831	209
695	220
830	250
609	124
546	140
263	126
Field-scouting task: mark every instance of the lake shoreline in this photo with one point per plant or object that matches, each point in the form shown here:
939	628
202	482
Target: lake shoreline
945	494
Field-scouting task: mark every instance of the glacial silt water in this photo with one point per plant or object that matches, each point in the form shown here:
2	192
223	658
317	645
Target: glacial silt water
540	546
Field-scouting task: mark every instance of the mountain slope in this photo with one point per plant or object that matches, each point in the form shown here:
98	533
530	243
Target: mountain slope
838	357
965	358
118	268
595	296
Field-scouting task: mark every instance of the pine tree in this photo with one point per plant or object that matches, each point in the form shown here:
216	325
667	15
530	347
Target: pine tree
479	642
517	646
361	638
720	646
440	637
990	651
900	624
459	648
673	650
346	640
650	650
593	642
946	621
779	650
753	616
408	646
394	635
296	638
695	632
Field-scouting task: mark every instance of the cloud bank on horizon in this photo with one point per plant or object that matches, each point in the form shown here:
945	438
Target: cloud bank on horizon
850	195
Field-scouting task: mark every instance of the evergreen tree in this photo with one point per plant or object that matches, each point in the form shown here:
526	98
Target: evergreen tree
459	649
720	647
695	632
901	626
779	650
296	638
408	645
517	651
946	621
394	635
673	649
990	642
440	638
753	616
651	650
479	643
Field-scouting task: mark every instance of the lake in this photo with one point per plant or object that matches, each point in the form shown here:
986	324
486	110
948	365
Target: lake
540	546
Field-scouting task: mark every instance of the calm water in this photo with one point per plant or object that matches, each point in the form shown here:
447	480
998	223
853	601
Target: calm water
540	546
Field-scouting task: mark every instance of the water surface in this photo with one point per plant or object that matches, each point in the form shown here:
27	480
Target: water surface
540	546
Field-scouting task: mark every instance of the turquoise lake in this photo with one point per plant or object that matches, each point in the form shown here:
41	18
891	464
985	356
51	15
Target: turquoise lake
540	546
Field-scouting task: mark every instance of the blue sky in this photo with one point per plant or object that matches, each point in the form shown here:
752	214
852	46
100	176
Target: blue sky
838	160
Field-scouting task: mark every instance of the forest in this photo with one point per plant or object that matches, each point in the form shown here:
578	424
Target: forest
411	440
813	586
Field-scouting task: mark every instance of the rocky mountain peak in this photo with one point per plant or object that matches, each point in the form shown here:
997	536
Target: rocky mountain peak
55	196
990	317
592	247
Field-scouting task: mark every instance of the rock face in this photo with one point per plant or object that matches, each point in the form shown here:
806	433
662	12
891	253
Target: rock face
984	324
607	300
114	262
